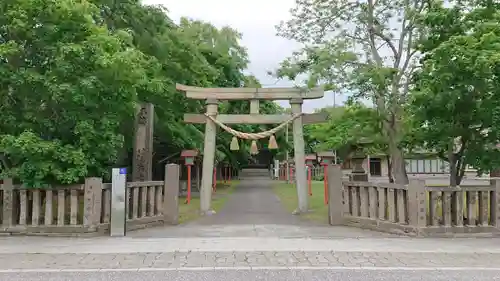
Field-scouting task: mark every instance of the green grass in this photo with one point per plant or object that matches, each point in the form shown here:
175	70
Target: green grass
287	193
190	212
319	211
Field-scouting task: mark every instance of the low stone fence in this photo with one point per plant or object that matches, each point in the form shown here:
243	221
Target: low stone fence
86	208
414	209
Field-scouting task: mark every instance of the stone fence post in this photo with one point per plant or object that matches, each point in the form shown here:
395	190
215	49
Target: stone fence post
495	204
335	191
92	202
8	207
417	204
171	194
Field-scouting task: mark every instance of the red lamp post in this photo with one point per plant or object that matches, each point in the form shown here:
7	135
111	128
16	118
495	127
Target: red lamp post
310	164
325	158
189	156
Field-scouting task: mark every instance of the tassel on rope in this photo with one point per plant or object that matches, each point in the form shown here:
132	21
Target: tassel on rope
234	144
253	148
272	143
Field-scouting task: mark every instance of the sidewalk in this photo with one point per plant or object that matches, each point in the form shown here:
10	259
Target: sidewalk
43	254
35	245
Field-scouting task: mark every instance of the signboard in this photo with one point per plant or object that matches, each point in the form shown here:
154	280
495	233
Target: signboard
117	224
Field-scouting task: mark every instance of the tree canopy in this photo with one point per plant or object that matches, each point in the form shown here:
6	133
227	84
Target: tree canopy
429	67
365	48
73	73
455	105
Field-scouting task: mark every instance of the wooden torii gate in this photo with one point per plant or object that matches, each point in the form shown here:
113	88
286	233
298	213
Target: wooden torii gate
254	95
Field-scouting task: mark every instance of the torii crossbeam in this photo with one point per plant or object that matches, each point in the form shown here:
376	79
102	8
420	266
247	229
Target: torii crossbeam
213	95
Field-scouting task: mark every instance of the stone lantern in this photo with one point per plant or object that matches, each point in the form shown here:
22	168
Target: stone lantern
357	156
310	160
189	158
326	158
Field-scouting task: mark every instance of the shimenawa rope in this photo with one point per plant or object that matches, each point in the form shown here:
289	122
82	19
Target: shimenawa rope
254	136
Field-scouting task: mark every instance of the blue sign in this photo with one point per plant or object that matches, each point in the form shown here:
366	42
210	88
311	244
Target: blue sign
123	171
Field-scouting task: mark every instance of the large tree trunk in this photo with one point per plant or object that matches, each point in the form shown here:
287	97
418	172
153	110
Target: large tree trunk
453	169
398	164
389	169
457	163
397	157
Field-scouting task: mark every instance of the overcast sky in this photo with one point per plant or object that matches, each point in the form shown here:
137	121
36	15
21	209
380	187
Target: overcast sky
256	20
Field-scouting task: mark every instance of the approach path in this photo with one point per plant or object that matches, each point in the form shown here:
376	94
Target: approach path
253	210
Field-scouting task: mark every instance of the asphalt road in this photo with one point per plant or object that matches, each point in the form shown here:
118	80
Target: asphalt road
275	275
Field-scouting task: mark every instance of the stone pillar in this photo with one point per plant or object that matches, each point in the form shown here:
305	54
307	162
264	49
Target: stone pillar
417	202
171	194
300	165
335	190
208	160
92	202
142	169
8	201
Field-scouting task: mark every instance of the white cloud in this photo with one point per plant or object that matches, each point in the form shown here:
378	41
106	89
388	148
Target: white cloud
256	20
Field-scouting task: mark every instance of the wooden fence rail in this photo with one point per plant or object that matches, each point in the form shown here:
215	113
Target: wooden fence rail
85	208
415	209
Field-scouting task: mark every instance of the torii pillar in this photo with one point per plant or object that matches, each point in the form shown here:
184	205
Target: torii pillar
300	164
208	160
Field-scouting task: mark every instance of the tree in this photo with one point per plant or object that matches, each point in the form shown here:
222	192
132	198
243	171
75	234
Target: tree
73	73
66	84
347	126
366	48
457	95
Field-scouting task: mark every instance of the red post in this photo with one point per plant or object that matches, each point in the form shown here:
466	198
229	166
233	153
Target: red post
325	181
214	184
291	175
225	173
229	172
309	180
188	200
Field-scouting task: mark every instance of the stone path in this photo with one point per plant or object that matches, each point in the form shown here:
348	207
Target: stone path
266	259
247	259
253	210
106	245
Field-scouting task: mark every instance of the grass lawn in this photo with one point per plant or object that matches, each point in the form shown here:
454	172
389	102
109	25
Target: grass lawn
288	196
192	211
319	211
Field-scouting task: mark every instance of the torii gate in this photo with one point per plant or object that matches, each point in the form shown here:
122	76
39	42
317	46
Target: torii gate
254	95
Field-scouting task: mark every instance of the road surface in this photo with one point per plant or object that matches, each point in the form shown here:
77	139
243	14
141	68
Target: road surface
334	274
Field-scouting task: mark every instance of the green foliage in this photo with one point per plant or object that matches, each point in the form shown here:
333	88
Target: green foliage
28	156
348	126
364	48
455	104
73	73
66	83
